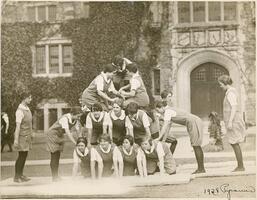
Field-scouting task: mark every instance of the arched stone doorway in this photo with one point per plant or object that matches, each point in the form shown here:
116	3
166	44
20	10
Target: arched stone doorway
206	94
192	61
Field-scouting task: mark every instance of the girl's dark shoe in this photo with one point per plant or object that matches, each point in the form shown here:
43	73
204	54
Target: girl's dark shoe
239	169
199	171
56	179
24	178
17	180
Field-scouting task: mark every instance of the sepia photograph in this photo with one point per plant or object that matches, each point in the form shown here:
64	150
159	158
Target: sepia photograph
128	99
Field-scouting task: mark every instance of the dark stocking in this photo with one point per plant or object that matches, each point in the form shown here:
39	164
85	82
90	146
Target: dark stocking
173	144
199	158
20	163
239	157
54	163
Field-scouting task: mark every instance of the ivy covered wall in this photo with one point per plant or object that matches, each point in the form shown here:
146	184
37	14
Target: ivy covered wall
111	29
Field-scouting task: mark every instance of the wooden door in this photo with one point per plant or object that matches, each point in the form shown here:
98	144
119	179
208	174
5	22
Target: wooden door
206	95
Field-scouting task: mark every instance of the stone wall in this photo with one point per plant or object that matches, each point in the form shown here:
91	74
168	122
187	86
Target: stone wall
17	11
249	57
237	43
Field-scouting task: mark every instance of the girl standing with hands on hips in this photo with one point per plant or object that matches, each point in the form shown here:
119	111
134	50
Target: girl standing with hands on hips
233	119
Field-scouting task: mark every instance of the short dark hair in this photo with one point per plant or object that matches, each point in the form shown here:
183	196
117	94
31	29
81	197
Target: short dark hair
75	110
144	139
225	79
96	107
118	61
108	68
130	139
132	67
132	108
158	104
119	102
165	93
105	137
81	139
24	94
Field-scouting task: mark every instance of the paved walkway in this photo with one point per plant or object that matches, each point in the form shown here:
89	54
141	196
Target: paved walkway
43	187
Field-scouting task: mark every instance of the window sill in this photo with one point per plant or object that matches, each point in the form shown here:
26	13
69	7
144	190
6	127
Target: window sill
206	25
232	46
52	75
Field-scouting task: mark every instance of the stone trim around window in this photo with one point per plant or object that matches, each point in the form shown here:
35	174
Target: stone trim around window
36	7
46	43
59	106
192	24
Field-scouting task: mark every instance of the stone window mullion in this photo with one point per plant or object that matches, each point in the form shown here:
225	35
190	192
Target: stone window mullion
46	117
36	8
47	58
206	12
47	12
59	111
176	12
34	66
191	12
222	11
60	59
238	12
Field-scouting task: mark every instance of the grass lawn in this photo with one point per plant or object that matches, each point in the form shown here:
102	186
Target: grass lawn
39	151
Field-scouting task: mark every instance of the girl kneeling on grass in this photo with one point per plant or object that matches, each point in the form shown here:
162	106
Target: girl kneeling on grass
129	155
81	155
106	155
156	154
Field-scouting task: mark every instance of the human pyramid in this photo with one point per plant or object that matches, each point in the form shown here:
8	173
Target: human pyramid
118	135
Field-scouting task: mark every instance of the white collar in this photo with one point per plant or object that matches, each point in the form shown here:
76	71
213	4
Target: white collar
105	77
136	116
230	89
108	150
135	75
99	119
151	150
168	107
127	61
68	115
121	117
85	108
127	153
5	115
23	107
82	154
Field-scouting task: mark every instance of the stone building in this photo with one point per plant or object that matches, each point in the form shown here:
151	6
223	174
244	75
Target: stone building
52	56
199	41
